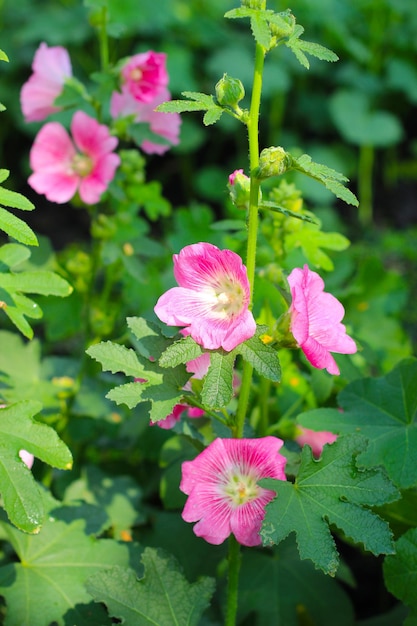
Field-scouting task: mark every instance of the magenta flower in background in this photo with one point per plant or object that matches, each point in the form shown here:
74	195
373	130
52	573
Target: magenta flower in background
51	67
222	489
315	439
315	320
166	125
145	75
62	166
212	299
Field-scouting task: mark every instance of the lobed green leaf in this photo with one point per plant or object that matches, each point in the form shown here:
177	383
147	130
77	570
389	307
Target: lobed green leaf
163	596
400	572
181	351
384	410
262	357
331	490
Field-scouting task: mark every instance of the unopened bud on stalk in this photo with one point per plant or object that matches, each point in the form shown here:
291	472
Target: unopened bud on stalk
282	25
229	91
239	189
273	161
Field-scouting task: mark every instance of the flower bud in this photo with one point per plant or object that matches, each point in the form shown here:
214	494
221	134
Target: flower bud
239	189
229	91
282	25
273	161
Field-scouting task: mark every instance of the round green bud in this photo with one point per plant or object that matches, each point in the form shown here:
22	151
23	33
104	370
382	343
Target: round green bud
229	91
273	161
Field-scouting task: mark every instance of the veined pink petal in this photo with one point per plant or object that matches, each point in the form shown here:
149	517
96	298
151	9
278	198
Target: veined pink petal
51	67
222	489
212	299
52	149
316	320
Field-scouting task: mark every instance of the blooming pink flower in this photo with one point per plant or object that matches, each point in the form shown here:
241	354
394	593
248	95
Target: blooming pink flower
212	298
222	489
167	125
315	320
315	439
51	67
62	166
145	75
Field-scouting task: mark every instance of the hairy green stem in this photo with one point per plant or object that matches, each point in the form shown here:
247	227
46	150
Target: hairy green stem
253	130
238	429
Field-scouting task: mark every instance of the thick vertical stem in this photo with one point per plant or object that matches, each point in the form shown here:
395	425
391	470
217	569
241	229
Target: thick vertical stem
253	130
104	40
253	126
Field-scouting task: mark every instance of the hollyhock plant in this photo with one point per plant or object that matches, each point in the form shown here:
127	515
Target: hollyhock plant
166	125
315	439
212	299
315	320
222	489
145	75
51	67
62	166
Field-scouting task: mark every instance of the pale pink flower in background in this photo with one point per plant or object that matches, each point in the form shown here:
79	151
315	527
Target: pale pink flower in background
62	166
212	299
145	75
170	420
166	125
315	320
222	489
51	67
27	458
315	439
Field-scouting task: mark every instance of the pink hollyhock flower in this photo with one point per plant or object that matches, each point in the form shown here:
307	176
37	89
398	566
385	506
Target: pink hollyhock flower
315	439
62	166
166	125
145	75
315	320
51	67
212	299
222	489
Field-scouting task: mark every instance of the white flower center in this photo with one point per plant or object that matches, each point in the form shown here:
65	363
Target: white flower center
136	74
229	298
240	488
82	165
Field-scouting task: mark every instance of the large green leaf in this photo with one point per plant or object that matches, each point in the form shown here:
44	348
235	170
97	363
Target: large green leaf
385	411
19	431
46	585
163	597
279	588
331	490
400	573
161	387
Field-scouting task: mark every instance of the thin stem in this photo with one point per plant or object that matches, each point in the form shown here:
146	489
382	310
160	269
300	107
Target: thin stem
104	40
253	218
233	581
365	171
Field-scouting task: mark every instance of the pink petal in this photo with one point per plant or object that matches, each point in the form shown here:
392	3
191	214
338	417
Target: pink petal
90	137
315	439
